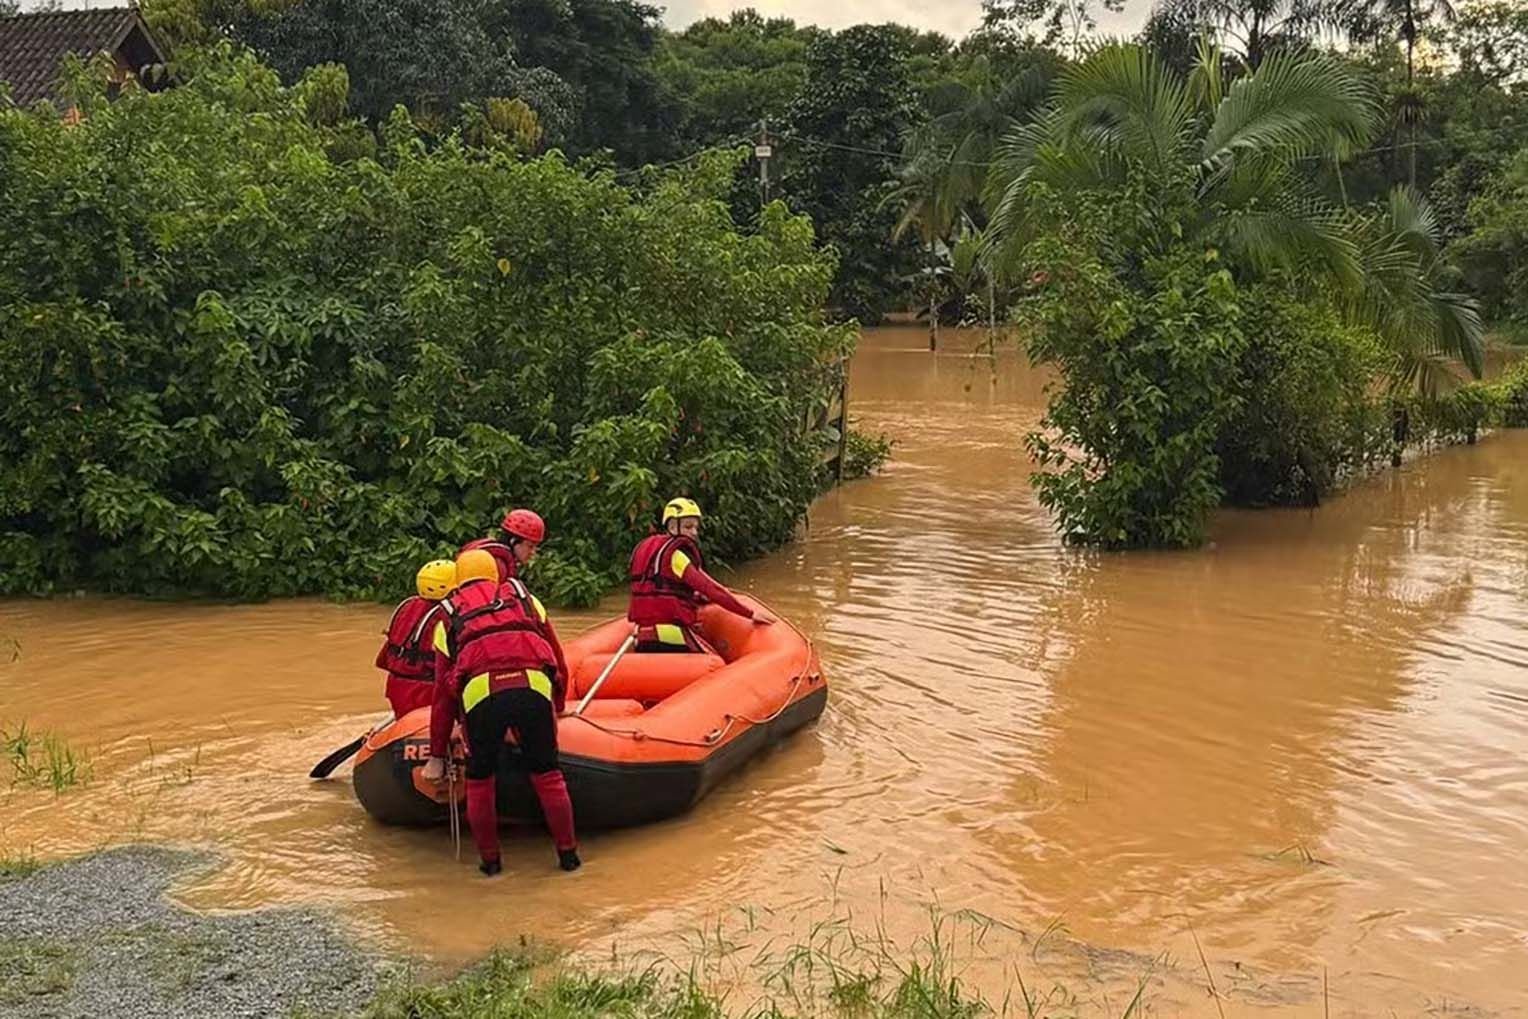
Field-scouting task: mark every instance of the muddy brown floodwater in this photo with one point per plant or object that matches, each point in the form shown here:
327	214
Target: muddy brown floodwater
1303	748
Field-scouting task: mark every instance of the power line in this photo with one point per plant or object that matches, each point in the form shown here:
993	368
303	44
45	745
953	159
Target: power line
720	143
735	140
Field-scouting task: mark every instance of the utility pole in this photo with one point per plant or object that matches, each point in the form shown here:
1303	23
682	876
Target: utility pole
763	151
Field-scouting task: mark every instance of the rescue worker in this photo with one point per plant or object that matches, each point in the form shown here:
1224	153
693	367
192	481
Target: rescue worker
407	654
498	662
669	582
518	525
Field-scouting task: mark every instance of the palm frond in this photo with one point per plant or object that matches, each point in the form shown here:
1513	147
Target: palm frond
1013	162
1124	93
1410	218
1401	299
1292	105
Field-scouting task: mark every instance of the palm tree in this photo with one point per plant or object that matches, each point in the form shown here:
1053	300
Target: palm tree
970	114
1371	20
1254	28
1240	147
1240	144
1429	329
929	193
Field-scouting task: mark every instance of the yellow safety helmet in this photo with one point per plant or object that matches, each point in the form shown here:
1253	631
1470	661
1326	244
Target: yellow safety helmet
679	508
476	564
435	579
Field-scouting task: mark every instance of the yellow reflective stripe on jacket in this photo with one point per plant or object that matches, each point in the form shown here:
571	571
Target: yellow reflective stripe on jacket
540	609
475	691
479	687
679	563
668	633
439	640
539	682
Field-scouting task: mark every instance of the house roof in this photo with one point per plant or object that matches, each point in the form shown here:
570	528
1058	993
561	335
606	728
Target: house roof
33	46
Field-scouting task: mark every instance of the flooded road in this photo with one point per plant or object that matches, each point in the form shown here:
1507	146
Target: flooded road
1300	750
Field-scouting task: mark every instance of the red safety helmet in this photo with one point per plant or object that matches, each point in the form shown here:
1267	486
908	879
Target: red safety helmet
526	524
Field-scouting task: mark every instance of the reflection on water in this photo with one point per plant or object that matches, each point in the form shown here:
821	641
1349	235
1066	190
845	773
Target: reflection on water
1301	745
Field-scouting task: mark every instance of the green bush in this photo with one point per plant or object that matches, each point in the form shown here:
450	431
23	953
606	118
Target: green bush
1494	254
1309	416
232	365
1149	352
1458	416
1513	386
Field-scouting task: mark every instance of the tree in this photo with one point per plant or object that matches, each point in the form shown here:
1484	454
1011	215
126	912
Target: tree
1490	40
843	134
1068	23
288	374
1252	29
604	49
1427	327
1164	225
1494	253
725	76
970	112
929	195
428	55
1406	20
1240	146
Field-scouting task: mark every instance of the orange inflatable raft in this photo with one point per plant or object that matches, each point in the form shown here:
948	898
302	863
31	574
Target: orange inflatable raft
660	733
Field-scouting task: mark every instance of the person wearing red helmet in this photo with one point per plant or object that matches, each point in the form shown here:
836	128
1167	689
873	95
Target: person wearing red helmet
518	525
669	584
499	666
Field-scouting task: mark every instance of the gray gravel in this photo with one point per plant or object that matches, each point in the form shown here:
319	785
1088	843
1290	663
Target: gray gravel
96	937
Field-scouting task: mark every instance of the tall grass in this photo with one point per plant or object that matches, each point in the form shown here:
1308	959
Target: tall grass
43	759
834	971
17	864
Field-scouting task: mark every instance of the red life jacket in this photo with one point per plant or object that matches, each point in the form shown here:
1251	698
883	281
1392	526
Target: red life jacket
494	629
406	652
501	554
655	597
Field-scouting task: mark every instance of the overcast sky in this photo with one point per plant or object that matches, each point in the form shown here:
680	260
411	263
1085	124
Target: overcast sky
952	17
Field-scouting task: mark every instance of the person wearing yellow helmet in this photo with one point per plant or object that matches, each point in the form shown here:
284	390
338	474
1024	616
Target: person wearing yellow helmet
499	667
669	583
406	655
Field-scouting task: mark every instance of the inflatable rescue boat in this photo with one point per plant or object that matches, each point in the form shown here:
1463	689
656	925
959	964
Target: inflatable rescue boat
661	731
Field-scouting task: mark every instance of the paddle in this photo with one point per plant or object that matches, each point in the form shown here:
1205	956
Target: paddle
344	753
334	760
631	639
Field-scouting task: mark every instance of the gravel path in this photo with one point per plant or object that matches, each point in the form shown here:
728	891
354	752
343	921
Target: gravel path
96	937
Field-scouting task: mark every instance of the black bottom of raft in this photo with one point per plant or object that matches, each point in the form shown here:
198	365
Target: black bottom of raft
605	794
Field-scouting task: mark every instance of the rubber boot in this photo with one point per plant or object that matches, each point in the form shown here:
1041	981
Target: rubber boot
557	808
483	819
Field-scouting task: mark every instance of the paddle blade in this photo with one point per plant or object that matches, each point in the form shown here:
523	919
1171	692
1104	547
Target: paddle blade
334	760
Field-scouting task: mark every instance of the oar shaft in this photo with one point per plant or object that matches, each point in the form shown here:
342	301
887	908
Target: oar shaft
604	675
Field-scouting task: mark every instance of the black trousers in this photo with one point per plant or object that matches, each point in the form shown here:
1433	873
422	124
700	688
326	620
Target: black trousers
523	710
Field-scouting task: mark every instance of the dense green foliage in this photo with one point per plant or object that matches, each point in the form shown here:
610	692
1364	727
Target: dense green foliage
1217	324
1493	255
1148	351
727	76
604	51
231	364
1263	263
857	104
